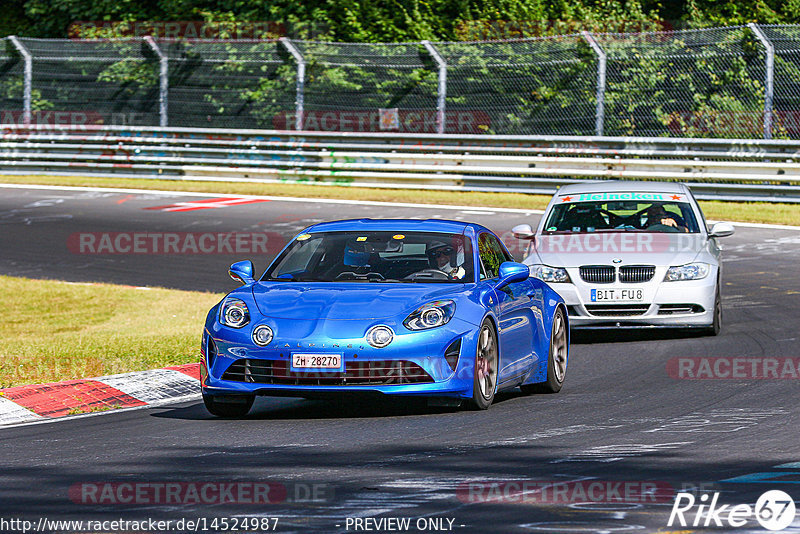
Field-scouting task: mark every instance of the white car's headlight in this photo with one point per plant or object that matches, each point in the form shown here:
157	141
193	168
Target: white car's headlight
431	315
234	313
690	271
549	274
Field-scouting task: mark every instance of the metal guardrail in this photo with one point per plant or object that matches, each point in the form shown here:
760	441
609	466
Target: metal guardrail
722	169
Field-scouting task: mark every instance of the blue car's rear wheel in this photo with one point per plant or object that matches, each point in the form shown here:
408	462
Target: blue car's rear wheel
228	405
557	359
485	376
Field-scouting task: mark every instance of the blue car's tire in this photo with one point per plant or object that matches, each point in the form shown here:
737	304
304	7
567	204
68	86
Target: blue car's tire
484	381
556	361
228	405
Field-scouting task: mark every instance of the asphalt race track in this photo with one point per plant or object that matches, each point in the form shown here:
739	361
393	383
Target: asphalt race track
621	421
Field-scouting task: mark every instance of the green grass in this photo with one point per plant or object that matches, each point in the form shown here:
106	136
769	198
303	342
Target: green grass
758	212
54	331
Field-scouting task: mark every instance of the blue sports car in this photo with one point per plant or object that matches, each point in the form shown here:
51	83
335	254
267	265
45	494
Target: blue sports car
426	308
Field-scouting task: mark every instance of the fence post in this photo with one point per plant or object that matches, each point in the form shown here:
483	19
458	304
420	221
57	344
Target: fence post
27	79
442	90
163	80
600	113
301	81
769	78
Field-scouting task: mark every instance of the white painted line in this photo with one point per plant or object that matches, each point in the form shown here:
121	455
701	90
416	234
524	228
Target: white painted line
154	386
761	225
12	413
265	197
472	209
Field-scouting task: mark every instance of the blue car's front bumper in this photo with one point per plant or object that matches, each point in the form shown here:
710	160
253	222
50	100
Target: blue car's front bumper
423	351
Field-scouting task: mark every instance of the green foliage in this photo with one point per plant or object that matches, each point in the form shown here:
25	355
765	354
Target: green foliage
412	20
659	88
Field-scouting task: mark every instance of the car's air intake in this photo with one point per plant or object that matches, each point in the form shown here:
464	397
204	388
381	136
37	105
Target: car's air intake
597	274
365	373
636	274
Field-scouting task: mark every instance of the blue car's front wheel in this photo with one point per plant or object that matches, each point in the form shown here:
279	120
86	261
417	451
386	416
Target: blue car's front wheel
228	405
486	364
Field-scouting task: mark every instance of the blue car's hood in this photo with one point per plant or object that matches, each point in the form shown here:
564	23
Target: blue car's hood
329	300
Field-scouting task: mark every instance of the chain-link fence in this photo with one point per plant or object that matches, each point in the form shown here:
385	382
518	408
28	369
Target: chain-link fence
740	82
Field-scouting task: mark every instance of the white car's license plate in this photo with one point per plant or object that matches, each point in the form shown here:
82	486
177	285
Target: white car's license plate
317	362
617	295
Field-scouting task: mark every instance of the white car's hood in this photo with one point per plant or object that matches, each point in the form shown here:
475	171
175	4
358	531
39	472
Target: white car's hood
623	248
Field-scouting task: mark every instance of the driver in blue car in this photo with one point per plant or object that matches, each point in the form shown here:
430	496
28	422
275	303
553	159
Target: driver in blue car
441	256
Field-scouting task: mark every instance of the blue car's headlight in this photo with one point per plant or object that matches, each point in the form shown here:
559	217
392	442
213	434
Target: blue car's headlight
234	313
690	271
431	315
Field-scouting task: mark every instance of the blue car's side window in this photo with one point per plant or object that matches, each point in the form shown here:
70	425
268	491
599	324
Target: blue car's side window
491	254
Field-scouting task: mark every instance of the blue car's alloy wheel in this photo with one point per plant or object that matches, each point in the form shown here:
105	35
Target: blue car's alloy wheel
485	380
557	360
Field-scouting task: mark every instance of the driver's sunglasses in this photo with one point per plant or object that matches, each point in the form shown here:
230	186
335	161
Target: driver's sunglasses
445	251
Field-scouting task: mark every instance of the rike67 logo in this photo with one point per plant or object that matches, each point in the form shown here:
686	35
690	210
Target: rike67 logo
774	510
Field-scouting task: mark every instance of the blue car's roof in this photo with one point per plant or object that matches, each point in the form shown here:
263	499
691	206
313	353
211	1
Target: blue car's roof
395	225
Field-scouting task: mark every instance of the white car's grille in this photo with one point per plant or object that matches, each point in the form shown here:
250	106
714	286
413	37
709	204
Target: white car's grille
634	274
597	274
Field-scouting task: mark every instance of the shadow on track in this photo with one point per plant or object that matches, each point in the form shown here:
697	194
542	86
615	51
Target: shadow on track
623	335
283	408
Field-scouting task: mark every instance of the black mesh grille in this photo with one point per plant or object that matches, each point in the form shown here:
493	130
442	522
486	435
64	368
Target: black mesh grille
617	310
633	274
597	274
366	373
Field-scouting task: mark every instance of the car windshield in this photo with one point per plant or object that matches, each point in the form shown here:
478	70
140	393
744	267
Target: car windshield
410	257
665	214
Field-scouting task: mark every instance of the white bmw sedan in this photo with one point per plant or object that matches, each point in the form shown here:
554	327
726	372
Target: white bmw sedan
629	254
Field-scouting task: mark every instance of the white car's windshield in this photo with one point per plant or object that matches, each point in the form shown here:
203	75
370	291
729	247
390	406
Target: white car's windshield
574	215
375	257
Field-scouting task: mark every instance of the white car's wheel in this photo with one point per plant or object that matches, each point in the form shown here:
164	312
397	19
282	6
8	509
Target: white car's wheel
716	325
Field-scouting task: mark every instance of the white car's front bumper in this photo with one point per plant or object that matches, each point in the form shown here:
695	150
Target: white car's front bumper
668	304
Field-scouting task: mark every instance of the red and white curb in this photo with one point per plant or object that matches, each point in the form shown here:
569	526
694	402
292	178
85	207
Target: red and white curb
42	402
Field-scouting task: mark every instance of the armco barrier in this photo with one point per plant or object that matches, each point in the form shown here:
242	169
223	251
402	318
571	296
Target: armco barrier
723	169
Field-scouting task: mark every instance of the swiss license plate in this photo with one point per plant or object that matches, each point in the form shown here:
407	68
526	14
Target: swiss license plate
317	362
617	295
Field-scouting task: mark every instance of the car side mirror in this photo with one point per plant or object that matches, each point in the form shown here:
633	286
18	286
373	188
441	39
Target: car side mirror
523	231
242	272
721	229
512	272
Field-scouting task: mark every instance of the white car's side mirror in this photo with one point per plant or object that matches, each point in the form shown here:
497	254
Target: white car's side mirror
523	231
721	229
